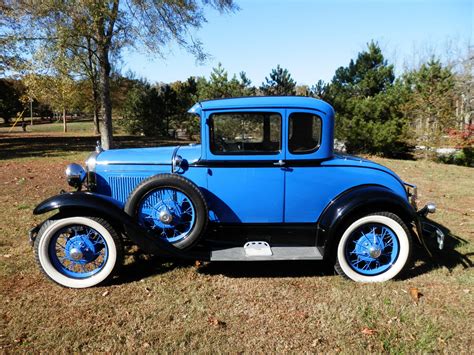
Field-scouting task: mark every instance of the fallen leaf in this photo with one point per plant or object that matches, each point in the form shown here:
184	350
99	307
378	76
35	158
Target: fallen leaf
197	263
415	294
368	331
7	256
105	293
216	322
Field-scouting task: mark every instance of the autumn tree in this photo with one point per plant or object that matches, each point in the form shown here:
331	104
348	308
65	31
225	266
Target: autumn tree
280	83
111	26
58	91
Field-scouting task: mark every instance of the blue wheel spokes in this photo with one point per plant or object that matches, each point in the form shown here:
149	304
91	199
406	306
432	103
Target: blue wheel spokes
172	203
78	251
372	249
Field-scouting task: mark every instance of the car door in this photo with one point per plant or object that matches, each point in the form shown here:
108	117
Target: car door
305	187
243	156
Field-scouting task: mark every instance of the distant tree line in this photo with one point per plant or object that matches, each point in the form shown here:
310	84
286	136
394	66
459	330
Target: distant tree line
376	112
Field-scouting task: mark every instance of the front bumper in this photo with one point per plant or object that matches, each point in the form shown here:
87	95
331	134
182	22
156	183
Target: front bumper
427	228
430	230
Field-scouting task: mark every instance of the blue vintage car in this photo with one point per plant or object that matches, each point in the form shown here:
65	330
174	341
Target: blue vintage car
263	184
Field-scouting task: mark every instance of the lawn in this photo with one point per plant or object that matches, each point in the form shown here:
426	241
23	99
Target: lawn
157	305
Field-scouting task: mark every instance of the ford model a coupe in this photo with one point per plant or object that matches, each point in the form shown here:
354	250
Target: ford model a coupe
263	184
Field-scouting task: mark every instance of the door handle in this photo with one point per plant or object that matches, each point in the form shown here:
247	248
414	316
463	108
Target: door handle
279	163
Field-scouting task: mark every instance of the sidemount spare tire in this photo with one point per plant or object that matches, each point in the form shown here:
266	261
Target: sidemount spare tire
171	207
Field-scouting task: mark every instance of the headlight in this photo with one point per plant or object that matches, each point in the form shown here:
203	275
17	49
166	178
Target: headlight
75	175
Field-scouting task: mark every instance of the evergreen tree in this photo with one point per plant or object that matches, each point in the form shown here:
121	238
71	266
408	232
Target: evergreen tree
368	105
10	103
280	83
220	86
431	105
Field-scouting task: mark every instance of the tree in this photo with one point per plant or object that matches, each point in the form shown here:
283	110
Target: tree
10	99
431	104
59	92
280	83
368	104
110	25
220	86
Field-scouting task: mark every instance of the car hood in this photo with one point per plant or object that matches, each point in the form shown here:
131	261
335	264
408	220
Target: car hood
148	156
353	161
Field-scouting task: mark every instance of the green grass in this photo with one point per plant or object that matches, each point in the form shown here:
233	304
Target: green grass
74	127
170	306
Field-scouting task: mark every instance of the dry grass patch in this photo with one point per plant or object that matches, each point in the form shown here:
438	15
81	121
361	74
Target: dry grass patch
239	307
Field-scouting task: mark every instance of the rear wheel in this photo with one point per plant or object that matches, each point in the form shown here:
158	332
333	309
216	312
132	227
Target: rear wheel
78	252
374	248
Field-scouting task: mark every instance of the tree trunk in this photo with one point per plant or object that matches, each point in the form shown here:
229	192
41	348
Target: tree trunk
64	120
96	111
106	136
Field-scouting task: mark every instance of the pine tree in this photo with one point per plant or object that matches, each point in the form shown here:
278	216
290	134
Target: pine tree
280	83
368	105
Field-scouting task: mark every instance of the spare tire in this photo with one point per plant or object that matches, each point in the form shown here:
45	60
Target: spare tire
171	207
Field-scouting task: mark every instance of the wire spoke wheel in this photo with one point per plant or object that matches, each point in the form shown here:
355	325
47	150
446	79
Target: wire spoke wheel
78	251
373	248
168	212
170	207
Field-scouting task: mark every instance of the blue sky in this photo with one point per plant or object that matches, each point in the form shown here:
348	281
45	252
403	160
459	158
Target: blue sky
312	38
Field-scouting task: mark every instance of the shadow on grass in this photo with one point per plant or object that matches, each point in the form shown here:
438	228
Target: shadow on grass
21	145
449	257
143	266
248	269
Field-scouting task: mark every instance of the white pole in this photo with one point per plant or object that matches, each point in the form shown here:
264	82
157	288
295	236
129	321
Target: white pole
31	110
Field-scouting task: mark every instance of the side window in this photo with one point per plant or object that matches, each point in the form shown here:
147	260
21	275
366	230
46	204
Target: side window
237	133
304	133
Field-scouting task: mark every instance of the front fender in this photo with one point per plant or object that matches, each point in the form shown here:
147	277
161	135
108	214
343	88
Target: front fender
104	206
364	198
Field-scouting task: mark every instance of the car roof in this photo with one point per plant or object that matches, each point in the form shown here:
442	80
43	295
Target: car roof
265	101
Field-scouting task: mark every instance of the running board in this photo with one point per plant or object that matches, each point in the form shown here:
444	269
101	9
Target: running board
277	253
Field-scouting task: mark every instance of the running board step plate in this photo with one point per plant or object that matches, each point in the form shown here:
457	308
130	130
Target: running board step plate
272	253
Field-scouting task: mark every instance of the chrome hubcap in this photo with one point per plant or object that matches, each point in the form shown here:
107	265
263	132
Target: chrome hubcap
166	217
76	254
375	252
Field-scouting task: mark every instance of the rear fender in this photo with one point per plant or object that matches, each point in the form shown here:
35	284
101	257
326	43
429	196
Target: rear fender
108	208
359	200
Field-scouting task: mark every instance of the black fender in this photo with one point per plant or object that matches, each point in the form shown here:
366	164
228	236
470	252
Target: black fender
359	199
108	208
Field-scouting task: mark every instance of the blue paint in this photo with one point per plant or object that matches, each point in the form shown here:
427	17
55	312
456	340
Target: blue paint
88	241
372	249
171	203
296	192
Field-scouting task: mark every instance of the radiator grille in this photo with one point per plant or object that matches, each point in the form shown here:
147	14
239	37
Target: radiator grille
121	187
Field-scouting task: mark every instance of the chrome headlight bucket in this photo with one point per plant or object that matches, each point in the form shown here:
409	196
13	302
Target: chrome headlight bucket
412	194
91	163
75	175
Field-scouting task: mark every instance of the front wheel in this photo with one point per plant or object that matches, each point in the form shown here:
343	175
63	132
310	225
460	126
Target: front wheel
374	248
78	252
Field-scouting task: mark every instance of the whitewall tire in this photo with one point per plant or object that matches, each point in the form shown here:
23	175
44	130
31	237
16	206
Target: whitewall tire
374	248
78	252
